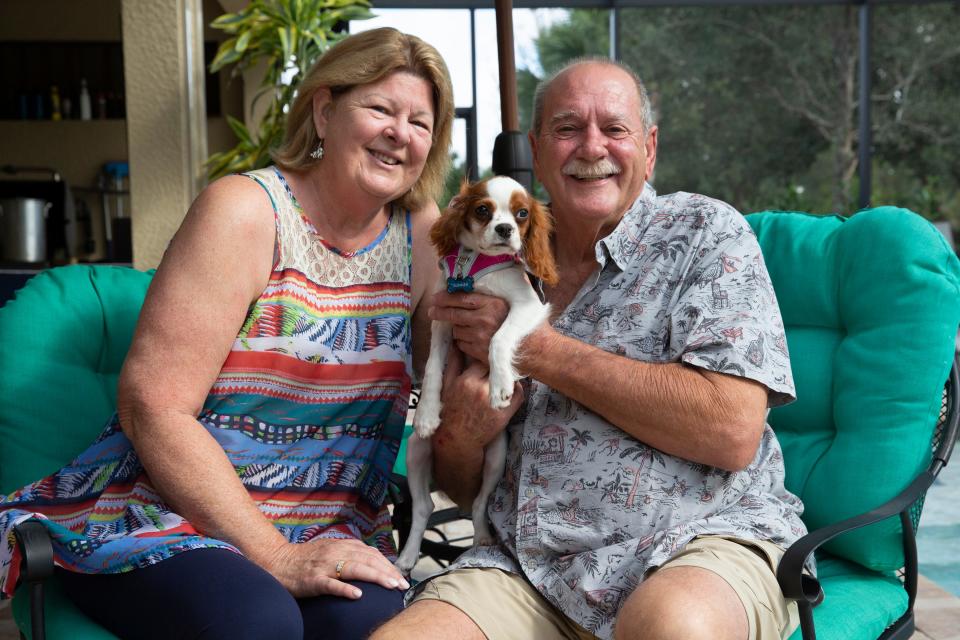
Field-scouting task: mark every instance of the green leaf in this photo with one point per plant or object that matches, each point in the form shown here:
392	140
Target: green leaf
230	22
355	13
218	163
243	41
284	35
226	54
240	130
293	34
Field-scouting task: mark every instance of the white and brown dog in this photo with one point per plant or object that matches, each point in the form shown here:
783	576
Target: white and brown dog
490	235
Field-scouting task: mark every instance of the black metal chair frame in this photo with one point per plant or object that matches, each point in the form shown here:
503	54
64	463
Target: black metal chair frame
37	551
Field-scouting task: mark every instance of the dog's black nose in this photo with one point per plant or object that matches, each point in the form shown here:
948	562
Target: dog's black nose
503	230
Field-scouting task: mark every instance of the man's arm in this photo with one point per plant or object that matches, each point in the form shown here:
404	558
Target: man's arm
702	416
695	414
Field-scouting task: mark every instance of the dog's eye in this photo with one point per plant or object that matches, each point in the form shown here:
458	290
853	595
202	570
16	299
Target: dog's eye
522	214
482	211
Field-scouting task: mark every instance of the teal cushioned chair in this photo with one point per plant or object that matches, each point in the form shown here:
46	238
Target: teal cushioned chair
871	306
64	338
65	335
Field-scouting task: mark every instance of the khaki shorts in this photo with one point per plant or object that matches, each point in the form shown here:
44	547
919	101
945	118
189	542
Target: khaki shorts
506	606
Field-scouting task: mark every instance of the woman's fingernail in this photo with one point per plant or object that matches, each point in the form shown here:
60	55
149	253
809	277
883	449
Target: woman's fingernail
404	583
357	593
393	583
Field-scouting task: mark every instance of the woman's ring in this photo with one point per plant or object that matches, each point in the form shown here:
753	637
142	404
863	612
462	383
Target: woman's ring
340	565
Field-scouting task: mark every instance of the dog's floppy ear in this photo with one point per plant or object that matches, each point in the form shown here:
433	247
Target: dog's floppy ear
536	245
445	230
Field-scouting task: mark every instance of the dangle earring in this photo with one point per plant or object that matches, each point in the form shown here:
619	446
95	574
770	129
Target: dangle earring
317	154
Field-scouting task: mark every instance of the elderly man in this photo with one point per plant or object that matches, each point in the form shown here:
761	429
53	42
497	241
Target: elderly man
643	496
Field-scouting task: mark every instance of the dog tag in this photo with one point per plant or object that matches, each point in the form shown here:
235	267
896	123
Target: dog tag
460	285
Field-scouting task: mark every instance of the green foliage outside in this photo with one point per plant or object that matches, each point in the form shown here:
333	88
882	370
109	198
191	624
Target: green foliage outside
288	36
458	169
758	105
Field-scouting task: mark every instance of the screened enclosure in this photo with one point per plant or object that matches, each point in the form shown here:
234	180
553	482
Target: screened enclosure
809	105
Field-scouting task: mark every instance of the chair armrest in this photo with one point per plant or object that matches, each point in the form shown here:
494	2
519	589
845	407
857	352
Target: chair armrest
36	551
795	585
36	565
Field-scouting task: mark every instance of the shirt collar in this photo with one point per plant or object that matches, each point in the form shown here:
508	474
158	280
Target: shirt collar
622	242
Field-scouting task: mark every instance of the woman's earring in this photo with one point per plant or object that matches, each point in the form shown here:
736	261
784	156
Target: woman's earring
317	154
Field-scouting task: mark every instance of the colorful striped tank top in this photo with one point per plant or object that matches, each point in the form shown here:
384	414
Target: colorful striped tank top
309	407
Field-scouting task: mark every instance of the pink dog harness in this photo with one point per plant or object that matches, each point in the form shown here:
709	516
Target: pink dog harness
465	266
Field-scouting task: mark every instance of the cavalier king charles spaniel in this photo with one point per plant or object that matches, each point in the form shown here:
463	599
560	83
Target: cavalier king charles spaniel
491	235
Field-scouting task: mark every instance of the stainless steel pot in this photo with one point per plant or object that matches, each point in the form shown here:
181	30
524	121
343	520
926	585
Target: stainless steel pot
23	230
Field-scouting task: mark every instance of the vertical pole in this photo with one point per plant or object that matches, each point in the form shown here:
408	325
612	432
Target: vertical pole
508	73
615	30
511	150
473	165
866	142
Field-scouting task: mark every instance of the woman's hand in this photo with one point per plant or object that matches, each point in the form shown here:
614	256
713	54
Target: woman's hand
310	568
475	318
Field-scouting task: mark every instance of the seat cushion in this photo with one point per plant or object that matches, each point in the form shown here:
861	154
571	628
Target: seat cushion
64	621
400	466
871	305
65	336
846	587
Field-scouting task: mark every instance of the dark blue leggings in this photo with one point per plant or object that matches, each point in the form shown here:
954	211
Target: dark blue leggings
214	593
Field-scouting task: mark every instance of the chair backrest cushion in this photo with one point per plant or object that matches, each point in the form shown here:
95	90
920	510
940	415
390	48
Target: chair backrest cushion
871	305
63	339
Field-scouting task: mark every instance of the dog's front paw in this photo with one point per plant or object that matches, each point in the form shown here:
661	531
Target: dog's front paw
426	419
501	391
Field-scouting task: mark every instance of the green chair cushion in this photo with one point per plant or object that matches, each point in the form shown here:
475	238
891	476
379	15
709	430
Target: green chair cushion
64	621
857	301
846	587
400	466
65	335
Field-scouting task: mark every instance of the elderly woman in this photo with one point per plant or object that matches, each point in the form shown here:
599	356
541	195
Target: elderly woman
263	399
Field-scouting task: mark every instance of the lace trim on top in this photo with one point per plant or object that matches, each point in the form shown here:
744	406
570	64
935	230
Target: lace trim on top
386	259
310	226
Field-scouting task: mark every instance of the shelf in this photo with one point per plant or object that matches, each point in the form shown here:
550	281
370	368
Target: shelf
71	121
77	149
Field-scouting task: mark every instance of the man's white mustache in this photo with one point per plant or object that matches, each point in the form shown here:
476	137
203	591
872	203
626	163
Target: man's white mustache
598	169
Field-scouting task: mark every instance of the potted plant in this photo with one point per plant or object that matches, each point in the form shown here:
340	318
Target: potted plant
288	36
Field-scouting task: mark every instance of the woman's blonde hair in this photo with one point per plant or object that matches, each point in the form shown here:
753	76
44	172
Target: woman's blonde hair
365	58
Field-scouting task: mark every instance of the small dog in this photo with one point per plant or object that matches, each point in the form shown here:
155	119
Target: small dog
491	233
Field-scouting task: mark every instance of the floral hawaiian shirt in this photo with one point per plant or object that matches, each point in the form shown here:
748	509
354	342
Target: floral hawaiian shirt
584	510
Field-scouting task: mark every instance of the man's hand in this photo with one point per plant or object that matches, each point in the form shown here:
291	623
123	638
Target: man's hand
467	416
475	317
468	424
